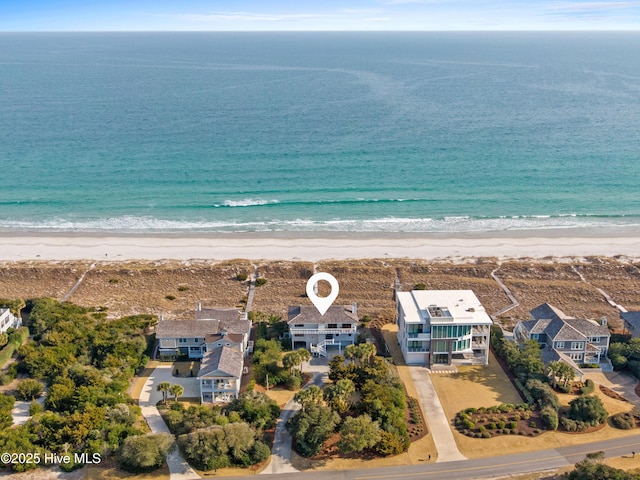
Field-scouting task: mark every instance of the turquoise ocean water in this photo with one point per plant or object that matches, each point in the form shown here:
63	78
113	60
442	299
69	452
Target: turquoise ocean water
375	132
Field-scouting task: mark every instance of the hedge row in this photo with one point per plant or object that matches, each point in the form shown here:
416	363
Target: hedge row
15	340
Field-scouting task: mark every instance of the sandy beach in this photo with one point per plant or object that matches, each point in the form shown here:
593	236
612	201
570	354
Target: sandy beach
312	247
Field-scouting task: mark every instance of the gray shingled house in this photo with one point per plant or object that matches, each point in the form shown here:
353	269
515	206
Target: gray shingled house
220	374
337	328
575	341
631	323
209	329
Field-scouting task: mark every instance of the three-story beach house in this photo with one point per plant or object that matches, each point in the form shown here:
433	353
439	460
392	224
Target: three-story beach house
574	341
219	376
337	328
442	327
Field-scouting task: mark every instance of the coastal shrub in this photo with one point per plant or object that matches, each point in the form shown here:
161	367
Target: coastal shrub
311	427
513	425
634	367
420	286
469	424
532	423
28	389
170	297
145	453
260	281
501	424
587	387
550	417
505	408
486	435
113	280
481	428
623	421
241	277
563	388
588	409
542	393
491	426
183	288
525	393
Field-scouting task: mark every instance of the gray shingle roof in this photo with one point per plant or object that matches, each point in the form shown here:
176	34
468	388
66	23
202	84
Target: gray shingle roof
589	327
223	360
210	329
310	314
547	311
225	314
632	318
552	355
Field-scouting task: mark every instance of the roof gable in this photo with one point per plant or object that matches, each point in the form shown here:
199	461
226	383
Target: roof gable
310	314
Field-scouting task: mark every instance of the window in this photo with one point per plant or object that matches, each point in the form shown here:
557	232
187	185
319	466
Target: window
535	336
559	344
346	325
182	340
575	356
332	325
594	339
299	325
577	345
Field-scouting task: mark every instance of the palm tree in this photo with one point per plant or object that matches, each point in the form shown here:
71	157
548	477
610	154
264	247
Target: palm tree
176	390
164	388
305	356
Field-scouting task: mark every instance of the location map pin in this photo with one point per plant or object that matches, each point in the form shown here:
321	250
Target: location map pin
322	303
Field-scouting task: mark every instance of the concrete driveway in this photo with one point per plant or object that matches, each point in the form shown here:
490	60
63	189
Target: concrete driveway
179	469
620	382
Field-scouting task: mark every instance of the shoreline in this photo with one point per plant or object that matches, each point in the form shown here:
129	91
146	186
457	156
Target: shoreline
314	246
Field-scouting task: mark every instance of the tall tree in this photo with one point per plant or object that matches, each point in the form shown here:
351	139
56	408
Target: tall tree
164	388
308	396
176	390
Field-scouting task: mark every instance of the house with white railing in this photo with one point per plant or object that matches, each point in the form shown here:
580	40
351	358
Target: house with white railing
442	327
336	329
220	374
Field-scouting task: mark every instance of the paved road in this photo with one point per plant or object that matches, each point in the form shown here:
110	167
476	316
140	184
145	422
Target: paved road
179	469
483	467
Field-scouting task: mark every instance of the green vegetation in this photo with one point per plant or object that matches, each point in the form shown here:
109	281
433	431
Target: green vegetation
242	277
626	355
592	468
214	437
145	453
260	281
170	297
284	370
311	426
366	400
6	405
15	338
87	363
29	389
584	412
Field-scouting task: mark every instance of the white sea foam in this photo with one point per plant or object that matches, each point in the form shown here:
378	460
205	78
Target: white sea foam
247	202
453	225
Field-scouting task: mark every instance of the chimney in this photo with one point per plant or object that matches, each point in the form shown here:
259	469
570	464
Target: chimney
354	308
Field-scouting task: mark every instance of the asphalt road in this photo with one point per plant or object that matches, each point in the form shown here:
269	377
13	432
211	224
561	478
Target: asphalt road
480	468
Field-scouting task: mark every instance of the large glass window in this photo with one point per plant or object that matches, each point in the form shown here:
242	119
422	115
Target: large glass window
450	331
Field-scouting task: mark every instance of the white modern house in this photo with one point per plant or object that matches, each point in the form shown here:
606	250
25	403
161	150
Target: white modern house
337	328
442	327
219	376
8	320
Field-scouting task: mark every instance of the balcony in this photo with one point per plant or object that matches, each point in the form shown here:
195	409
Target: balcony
419	336
322	331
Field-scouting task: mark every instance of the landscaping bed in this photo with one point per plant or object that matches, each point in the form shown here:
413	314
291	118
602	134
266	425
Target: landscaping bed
610	393
505	419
